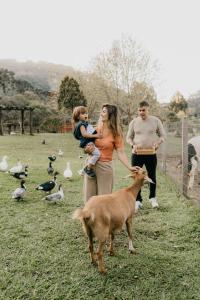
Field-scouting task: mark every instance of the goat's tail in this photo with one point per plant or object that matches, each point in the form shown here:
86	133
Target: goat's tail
83	215
87	218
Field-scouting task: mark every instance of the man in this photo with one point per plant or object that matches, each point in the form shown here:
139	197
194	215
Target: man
145	134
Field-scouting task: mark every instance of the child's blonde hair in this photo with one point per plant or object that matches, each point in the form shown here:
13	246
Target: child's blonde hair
76	114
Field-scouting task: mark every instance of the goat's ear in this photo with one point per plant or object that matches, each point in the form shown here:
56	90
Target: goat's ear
146	178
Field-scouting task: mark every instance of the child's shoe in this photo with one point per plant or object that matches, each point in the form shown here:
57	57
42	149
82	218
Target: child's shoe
89	172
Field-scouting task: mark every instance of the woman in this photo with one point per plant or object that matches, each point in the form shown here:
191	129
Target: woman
111	140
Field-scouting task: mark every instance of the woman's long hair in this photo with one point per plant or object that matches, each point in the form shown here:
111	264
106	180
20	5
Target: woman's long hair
113	119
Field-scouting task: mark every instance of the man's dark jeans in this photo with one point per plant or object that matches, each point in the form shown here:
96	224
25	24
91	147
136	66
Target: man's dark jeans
150	162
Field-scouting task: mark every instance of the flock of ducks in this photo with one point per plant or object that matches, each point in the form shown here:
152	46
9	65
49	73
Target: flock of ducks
21	172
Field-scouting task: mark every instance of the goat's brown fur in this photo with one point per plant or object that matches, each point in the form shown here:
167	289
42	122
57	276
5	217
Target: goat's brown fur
104	215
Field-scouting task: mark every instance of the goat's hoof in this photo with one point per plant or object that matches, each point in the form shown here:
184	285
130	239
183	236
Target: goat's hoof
133	251
94	261
103	272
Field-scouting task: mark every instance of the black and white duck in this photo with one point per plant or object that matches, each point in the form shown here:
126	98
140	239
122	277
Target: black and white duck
49	185
21	175
50	169
52	157
19	193
56	197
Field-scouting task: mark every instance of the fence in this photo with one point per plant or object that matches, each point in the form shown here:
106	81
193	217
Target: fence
173	155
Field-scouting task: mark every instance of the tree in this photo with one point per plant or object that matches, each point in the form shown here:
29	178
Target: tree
70	95
178	103
140	91
7	83
125	64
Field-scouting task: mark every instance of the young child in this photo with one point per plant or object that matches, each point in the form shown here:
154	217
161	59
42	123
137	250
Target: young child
86	134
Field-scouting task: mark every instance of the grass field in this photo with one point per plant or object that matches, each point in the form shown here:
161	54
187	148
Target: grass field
44	252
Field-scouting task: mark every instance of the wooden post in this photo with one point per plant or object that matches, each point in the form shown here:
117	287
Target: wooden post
22	117
30	121
164	151
1	127
9	128
185	157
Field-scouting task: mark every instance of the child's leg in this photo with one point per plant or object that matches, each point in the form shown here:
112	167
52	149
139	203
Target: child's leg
94	157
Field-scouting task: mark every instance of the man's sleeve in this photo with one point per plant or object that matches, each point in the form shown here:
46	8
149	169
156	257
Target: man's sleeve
130	134
161	131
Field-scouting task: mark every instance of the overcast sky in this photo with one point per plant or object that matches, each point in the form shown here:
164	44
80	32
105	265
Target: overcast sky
72	32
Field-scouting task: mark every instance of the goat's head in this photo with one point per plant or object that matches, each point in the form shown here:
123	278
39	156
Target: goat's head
140	174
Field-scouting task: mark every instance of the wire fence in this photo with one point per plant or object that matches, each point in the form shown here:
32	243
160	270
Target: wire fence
179	156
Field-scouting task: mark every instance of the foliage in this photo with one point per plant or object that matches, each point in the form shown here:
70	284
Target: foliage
140	91
44	253
70	95
171	116
51	124
126	62
178	103
7	82
129	68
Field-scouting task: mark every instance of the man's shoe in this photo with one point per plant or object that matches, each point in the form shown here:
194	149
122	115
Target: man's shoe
89	172
154	202
138	205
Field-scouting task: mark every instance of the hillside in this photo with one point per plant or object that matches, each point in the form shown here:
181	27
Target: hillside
41	75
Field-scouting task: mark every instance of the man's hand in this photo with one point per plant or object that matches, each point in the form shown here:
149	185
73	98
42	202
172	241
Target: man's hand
134	148
155	145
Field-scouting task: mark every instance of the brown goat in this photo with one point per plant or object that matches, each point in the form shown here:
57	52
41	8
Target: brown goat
104	215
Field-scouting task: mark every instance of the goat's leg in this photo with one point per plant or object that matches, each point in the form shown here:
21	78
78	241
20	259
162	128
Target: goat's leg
91	247
192	173
130	239
100	257
111	250
90	242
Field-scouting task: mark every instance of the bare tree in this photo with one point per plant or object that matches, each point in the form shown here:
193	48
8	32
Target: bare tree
126	63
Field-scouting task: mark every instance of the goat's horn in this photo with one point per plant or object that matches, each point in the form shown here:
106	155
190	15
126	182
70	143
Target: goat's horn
127	176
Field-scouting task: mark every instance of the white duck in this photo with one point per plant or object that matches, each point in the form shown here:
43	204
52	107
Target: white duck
19	193
68	172
4	164
60	153
56	197
16	169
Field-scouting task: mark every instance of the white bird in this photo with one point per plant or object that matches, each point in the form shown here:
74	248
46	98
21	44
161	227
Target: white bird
4	164
68	172
60	153
19	193
16	169
56	197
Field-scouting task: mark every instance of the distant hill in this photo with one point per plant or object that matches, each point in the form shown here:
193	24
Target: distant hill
41	75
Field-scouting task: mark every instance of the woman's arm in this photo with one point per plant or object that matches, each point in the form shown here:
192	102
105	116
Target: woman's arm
123	158
88	135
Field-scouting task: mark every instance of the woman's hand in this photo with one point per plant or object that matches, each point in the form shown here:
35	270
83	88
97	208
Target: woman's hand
99	135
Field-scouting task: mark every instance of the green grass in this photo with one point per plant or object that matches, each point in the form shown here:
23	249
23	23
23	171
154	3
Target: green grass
44	252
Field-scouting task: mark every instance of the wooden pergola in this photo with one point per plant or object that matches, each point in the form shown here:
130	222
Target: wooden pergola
22	110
